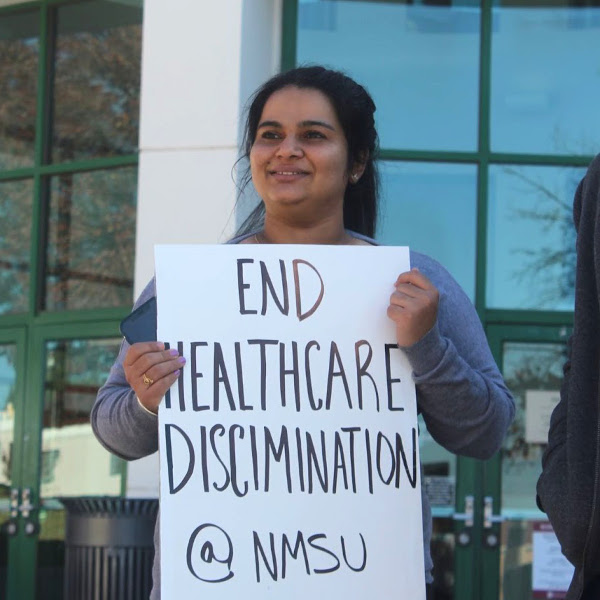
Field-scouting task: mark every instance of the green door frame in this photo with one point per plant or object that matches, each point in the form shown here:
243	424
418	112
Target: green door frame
497	335
467	548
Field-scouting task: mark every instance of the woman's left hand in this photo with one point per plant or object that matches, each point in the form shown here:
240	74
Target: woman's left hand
413	307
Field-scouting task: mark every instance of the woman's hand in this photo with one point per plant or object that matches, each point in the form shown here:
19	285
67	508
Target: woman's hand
413	307
151	370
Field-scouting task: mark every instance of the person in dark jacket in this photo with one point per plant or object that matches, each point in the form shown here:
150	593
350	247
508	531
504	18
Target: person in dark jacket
569	487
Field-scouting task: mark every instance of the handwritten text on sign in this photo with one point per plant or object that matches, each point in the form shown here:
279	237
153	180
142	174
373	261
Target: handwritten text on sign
288	446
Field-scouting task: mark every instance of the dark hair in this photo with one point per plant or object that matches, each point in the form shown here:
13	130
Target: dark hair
355	110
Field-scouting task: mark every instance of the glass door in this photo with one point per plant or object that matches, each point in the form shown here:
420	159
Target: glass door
75	361
451	483
47	448
531	359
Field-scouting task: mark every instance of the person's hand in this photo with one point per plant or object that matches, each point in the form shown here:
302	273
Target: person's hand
413	307
151	370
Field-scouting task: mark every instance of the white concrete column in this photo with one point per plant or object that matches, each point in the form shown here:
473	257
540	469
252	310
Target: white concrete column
200	63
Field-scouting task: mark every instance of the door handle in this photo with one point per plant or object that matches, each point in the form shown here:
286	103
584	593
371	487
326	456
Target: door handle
32	526
468	518
468	515
490	537
10	528
14	503
26	506
489	518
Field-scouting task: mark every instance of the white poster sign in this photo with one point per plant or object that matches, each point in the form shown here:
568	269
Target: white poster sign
539	405
551	571
289	463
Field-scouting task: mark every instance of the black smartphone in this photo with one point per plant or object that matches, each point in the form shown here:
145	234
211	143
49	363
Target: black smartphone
140	324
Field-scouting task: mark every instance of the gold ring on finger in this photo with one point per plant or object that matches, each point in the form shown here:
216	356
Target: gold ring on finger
147	381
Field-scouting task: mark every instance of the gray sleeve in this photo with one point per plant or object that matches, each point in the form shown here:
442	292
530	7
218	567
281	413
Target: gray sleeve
460	392
121	425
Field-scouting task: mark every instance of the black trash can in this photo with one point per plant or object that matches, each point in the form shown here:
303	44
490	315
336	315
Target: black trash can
109	548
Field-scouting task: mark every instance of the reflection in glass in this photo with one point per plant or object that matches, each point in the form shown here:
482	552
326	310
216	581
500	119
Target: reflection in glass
73	463
518	552
541	56
16	201
19	48
420	62
516	548
96	80
75	369
91	239
432	208
531	238
442	550
7	412
533	373
439	471
439	483
529	369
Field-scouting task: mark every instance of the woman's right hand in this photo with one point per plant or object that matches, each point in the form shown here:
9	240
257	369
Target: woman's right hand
151	370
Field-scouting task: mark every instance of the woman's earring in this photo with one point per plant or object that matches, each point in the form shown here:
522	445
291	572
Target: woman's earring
354	177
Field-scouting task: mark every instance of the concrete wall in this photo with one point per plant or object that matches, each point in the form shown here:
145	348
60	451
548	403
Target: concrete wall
200	63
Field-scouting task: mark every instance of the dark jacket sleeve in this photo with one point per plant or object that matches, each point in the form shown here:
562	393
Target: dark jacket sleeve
568	486
553	491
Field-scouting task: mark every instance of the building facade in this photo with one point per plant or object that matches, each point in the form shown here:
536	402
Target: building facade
120	127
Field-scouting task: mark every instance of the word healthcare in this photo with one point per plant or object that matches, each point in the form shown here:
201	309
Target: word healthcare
239	454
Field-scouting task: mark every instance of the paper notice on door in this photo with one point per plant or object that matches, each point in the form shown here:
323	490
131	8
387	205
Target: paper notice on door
539	405
552	572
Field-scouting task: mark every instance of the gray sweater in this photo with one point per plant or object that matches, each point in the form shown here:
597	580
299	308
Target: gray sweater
460	393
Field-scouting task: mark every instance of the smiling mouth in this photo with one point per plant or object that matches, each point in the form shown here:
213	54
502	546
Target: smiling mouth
288	172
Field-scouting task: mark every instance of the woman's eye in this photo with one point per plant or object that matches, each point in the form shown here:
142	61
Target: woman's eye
314	135
270	135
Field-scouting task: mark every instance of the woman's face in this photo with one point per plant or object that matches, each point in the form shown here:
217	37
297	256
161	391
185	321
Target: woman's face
299	159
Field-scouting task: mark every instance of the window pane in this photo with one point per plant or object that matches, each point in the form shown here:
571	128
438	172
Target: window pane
75	369
91	239
439	480
531	238
7	417
533	373
97	80
16	201
19	48
7	412
420	63
73	463
545	78
432	208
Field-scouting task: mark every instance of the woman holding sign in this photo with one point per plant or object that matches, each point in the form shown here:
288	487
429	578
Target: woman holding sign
311	142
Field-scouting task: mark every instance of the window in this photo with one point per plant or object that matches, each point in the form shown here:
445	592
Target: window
69	109
477	104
